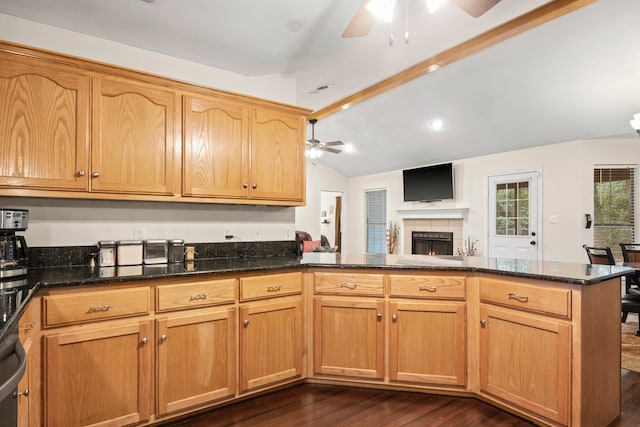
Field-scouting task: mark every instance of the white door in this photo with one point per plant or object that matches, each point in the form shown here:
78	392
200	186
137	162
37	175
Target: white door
514	216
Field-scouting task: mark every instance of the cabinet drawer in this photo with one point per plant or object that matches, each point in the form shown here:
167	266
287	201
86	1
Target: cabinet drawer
556	301
197	294
428	286
95	305
270	286
348	284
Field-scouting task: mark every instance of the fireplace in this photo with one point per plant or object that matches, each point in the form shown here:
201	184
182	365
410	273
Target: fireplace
431	243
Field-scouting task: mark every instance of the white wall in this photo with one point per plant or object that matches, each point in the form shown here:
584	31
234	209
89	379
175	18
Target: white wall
60	222
279	88
321	178
567	190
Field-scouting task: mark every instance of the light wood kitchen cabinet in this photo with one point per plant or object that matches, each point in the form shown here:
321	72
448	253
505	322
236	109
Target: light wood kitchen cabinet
44	110
196	356
100	374
427	342
349	337
270	329
278	166
525	359
216	148
132	138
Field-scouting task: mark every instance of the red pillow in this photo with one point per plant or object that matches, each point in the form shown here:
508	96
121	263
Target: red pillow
308	245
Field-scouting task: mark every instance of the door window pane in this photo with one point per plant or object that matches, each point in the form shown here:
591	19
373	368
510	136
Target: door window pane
512	209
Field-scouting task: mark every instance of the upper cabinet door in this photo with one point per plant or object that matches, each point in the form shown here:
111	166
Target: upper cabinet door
277	155
216	148
43	125
132	147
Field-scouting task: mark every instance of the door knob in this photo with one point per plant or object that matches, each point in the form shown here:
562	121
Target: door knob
533	242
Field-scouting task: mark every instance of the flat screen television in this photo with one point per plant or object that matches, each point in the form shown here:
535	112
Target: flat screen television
428	183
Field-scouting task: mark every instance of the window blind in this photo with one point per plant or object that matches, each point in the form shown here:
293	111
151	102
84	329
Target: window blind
376	221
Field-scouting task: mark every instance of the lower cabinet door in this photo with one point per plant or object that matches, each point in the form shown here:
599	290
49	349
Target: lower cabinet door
270	343
349	338
196	359
99	376
525	359
427	343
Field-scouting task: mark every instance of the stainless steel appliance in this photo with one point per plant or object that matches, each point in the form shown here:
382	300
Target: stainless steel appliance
14	293
13	248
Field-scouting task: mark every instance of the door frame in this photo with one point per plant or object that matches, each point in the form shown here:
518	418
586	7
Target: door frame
537	176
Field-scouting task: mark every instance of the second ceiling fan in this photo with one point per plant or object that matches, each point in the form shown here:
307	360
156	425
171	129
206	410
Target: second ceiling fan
315	147
363	20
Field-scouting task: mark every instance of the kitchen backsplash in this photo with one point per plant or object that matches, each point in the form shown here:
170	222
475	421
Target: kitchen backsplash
54	256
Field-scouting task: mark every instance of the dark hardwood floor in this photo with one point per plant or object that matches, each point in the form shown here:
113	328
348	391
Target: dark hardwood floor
323	405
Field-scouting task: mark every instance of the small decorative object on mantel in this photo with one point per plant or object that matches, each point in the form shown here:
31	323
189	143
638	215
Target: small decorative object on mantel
392	237
469	247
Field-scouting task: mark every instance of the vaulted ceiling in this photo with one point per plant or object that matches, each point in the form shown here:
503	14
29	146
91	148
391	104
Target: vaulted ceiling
574	77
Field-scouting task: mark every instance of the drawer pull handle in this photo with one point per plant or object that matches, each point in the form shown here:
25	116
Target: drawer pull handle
198	296
29	326
274	288
518	297
99	308
348	285
428	288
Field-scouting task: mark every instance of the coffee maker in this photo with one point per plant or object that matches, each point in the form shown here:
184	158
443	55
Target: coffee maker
13	248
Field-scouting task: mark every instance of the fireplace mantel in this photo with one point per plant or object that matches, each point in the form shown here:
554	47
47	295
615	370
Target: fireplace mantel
451	213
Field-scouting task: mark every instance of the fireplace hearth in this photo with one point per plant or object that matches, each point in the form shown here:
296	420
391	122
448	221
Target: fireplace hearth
431	243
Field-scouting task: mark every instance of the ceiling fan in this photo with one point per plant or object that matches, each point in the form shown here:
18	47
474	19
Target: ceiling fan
363	20
315	147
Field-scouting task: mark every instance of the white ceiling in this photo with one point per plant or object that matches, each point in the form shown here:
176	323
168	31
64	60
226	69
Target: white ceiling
575	77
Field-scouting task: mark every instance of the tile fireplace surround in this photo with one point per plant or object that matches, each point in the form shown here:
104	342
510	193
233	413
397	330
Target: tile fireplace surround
451	220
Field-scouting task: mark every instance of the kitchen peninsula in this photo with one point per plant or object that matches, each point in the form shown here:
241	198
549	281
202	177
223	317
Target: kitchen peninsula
540	339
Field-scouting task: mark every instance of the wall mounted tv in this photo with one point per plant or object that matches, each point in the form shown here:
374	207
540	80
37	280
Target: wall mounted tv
428	183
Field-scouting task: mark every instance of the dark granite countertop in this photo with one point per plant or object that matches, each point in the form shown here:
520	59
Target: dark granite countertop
571	273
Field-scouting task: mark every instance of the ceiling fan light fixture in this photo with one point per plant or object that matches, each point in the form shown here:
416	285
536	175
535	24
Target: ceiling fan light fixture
313	153
436	124
635	123
383	9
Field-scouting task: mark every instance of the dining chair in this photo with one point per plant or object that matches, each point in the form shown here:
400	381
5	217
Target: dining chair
631	253
601	255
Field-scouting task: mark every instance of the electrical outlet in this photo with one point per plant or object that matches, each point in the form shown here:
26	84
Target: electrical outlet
228	232
257	235
138	233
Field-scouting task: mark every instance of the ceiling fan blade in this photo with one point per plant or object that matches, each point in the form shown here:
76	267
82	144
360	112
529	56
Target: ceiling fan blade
330	150
475	8
332	143
361	23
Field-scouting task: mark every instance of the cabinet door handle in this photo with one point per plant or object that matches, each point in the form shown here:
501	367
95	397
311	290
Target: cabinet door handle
483	323
163	337
245	185
95	174
348	285
518	297
379	316
428	288
22	393
254	186
144	340
29	326
394	318
274	288
246	323
80	173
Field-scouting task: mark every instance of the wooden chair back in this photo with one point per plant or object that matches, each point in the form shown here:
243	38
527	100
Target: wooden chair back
630	252
599	255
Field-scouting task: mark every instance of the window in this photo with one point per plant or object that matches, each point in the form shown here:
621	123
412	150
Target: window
614	201
512	209
376	221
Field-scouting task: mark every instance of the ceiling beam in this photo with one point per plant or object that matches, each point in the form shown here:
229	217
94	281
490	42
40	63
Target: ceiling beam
545	13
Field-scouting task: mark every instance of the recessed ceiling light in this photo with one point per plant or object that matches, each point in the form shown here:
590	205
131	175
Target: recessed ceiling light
348	148
436	124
